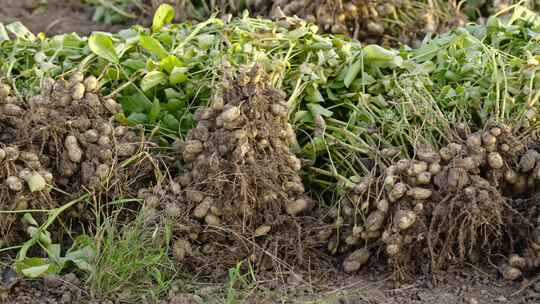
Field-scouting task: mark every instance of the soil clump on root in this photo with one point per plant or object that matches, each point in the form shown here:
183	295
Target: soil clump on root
240	197
61	144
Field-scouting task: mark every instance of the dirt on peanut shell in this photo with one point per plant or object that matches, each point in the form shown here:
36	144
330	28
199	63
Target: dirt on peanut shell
53	16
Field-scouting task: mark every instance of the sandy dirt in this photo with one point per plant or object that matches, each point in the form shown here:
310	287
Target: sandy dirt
52	16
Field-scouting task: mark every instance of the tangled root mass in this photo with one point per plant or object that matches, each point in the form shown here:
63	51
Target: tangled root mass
241	190
58	144
463	203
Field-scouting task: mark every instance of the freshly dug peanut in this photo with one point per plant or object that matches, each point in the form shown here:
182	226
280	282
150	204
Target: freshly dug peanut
510	176
12	110
429	156
112	106
212	220
434	168
383	205
495	160
392	249
356	260
91	136
403	164
14	183
510	273
181	249
76	77
488	139
35	182
474	141
126	149
73	149
298	206
516	261
417	168
294	163
423	178
375	220
105	129
229	115
104	141
102	170
5	90
419	193
405	219
193	147
262	230
194	196
495	131
77	92
397	192
91	84
528	161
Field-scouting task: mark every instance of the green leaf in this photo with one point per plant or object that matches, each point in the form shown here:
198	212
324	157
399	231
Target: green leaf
298	33
136	102
33	267
82	252
82	264
20	31
102	45
153	79
135	64
3	33
205	41
45	237
300	115
178	75
137	117
164	15
27	217
352	72
154	112
53	250
153	46
170	122
170	62
316	145
378	53
313	94
130	36
317	109
175	104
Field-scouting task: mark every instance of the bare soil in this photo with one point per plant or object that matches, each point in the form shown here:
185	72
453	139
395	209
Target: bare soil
52	16
371	286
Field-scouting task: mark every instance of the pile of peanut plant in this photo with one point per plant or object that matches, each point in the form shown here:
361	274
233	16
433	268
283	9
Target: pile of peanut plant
353	107
345	97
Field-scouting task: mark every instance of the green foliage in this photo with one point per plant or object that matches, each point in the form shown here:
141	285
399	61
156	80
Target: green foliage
115	11
80	254
133	262
367	96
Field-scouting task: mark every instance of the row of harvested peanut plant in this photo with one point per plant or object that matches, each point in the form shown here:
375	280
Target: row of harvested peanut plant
265	144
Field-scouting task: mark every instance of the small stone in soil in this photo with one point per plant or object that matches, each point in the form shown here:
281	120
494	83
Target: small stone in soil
471	300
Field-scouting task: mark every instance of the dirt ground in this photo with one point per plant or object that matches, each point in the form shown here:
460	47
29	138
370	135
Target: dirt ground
371	286
52	16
